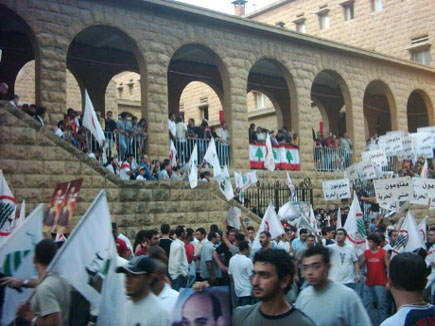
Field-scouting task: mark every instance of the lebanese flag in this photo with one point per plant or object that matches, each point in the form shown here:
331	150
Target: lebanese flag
286	156
90	121
8	207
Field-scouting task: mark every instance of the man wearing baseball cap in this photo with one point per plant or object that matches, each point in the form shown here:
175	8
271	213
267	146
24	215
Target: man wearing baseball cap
143	308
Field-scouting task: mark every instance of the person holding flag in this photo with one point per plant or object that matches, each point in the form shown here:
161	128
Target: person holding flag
50	304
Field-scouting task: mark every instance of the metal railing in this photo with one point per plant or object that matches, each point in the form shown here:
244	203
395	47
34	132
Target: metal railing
258	198
119	145
332	159
185	148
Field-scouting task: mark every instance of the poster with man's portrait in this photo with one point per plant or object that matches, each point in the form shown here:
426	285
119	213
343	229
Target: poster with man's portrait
59	212
212	306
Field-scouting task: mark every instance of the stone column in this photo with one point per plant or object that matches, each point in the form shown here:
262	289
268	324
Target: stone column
236	114
355	122
50	78
156	104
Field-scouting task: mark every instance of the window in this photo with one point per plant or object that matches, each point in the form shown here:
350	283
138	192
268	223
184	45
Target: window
420	50
324	21
203	107
376	5
260	100
421	56
348	11
300	27
300	23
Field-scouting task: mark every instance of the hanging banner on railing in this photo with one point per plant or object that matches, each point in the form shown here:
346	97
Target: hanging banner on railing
393	190
336	189
286	156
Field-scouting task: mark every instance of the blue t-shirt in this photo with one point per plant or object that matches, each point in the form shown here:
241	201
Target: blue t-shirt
163	175
409	315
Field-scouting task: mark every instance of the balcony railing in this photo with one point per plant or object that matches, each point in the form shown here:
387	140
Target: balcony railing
332	159
185	148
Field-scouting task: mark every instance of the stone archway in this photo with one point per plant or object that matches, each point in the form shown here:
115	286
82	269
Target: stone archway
97	54
19	46
379	108
270	77
419	110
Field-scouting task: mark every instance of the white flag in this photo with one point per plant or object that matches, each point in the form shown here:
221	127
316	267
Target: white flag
225	185
288	212
89	257
193	168
212	158
304	223
16	260
91	122
269	160
173	154
248	179
339	226
422	227
290	184
313	222
270	223
355	227
408	239
425	170
8	207
238	179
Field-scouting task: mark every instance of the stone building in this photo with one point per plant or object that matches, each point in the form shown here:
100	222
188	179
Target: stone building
171	45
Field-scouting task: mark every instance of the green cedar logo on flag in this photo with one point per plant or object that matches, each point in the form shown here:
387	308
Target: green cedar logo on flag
13	262
259	154
275	154
361	227
289	156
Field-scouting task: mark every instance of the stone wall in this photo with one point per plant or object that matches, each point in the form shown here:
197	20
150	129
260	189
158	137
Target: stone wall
33	160
388	31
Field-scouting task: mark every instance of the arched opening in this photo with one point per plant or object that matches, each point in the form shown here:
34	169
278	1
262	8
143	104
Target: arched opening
25	87
97	54
331	100
270	80
262	110
19	46
418	109
198	89
379	107
123	94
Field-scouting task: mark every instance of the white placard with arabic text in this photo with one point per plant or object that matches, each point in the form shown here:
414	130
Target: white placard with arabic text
336	189
366	170
394	190
376	156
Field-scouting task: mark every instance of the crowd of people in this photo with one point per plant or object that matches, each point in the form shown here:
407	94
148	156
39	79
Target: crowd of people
296	279
283	136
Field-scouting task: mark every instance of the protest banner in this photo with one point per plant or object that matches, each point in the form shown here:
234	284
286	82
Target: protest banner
57	217
336	189
408	152
393	190
391	144
423	144
376	156
423	190
366	170
351	173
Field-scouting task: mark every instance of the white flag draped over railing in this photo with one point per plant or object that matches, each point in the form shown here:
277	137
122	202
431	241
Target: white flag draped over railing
16	260
91	122
89	256
193	168
225	185
269	160
212	158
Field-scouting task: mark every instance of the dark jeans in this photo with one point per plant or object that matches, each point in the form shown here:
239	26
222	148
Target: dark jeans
244	301
179	282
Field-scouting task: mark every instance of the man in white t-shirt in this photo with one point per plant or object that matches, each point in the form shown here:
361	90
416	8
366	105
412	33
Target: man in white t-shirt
407	280
172	127
240	270
144	308
344	262
126	169
162	289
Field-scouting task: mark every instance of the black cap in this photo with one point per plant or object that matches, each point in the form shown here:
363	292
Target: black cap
138	265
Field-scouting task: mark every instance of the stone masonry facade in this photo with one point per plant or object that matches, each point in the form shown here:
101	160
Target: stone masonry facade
389	30
159	28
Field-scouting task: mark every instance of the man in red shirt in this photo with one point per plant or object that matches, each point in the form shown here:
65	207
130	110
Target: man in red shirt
377	261
121	246
188	245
